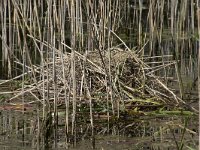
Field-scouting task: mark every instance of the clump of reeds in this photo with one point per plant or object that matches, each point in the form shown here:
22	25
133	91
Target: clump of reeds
75	53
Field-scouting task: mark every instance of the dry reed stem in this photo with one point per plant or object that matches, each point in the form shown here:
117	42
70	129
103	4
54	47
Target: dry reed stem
78	50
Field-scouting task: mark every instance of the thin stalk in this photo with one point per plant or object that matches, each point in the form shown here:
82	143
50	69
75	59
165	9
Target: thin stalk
110	90
54	74
198	19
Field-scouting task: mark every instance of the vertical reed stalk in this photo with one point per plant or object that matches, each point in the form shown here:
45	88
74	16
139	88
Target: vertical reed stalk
198	19
73	63
54	26
90	47
110	90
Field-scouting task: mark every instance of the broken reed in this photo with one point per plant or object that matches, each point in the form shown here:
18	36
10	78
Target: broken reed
37	33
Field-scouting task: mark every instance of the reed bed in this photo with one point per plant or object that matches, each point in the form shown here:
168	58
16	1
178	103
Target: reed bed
116	54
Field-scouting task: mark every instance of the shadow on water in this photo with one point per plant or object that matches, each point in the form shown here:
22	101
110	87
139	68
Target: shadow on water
16	130
161	132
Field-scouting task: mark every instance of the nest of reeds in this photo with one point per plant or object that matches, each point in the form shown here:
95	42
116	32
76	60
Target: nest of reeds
116	76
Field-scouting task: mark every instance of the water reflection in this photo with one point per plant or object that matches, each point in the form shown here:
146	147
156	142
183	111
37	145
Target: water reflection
18	131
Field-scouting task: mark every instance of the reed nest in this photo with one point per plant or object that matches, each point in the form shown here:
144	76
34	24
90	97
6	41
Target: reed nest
116	76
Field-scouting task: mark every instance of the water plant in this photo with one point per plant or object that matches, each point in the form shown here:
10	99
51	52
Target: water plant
108	59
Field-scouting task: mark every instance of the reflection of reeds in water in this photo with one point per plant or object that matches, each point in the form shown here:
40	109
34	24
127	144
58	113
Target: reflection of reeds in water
50	43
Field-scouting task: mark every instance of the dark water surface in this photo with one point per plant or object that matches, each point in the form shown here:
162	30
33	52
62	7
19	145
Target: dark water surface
146	133
20	131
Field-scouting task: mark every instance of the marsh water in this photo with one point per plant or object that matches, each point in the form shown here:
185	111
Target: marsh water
20	130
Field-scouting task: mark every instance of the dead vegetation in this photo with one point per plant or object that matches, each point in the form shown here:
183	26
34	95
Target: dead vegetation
116	54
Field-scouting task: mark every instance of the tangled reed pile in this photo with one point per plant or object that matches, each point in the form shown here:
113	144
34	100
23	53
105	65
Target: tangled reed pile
94	87
116	78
